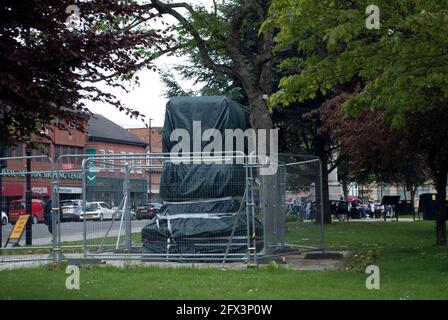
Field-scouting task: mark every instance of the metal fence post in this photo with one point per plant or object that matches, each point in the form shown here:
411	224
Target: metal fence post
322	228
84	204
54	213
247	211
3	164
28	199
126	211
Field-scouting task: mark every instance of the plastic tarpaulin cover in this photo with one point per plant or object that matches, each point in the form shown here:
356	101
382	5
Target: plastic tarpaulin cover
201	181
202	199
227	205
180	235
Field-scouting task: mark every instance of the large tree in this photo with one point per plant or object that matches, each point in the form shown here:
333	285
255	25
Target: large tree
216	38
48	65
372	151
401	67
301	129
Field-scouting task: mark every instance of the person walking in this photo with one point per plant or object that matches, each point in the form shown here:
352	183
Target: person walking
308	210
48	216
372	209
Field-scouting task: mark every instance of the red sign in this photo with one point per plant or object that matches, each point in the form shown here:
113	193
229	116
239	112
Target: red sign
13	190
67	166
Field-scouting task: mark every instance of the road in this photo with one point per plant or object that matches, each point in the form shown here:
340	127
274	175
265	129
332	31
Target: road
73	231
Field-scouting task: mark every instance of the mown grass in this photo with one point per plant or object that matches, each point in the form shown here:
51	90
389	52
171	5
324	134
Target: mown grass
411	266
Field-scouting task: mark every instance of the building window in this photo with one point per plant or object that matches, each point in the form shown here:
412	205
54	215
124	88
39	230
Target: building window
111	161
102	159
57	151
139	166
131	161
66	151
42	149
80	151
123	161
19	150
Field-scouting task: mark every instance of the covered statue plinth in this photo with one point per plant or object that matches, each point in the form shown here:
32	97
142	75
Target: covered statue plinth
204	211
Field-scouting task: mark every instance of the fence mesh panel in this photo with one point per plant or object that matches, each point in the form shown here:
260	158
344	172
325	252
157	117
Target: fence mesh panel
35	235
210	210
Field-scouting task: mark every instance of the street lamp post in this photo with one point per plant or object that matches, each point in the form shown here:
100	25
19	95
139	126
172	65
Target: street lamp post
28	195
150	160
2	166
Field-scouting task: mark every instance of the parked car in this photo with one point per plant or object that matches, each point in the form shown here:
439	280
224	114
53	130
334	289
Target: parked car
4	218
18	208
148	211
98	211
71	210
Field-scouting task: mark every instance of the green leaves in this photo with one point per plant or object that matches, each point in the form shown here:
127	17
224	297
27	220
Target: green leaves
401	65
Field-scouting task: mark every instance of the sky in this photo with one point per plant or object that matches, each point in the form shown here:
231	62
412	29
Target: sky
147	97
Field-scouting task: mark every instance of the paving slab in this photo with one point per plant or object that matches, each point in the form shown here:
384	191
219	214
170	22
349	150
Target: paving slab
298	262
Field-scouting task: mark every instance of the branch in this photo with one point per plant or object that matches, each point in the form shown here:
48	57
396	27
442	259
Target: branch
99	77
168	8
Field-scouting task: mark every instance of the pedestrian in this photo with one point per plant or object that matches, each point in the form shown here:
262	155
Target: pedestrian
372	209
48	216
308	210
295	208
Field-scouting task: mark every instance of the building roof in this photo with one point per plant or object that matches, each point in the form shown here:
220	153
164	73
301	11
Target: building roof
100	128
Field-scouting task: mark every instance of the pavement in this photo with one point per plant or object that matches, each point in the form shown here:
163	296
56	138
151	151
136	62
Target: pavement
380	220
73	231
298	262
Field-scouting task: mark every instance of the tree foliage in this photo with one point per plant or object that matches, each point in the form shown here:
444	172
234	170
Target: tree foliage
226	51
400	70
47	68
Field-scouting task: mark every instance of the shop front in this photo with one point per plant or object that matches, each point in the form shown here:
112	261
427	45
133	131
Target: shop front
14	186
110	190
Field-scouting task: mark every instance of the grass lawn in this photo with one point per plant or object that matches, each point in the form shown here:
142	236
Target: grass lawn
412	267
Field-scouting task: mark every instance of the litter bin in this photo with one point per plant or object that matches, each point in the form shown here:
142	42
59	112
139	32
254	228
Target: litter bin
404	207
428	206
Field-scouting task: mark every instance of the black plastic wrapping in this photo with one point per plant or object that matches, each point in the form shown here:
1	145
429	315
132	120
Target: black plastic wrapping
198	235
184	182
201	200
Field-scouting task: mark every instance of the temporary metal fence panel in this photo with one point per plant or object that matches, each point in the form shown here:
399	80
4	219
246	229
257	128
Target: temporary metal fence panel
203	217
215	209
36	236
303	202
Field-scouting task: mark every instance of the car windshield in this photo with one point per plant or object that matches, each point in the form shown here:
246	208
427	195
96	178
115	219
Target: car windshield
17	205
91	206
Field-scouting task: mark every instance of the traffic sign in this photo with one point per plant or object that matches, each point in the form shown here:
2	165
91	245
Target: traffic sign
17	231
91	172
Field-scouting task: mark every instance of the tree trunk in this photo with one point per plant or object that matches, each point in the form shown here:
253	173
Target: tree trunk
259	117
441	183
413	192
325	191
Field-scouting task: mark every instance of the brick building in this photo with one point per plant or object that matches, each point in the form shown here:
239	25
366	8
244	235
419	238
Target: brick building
154	146
102	137
109	139
59	142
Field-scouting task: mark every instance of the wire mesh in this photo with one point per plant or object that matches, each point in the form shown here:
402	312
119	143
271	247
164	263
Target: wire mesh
212	209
